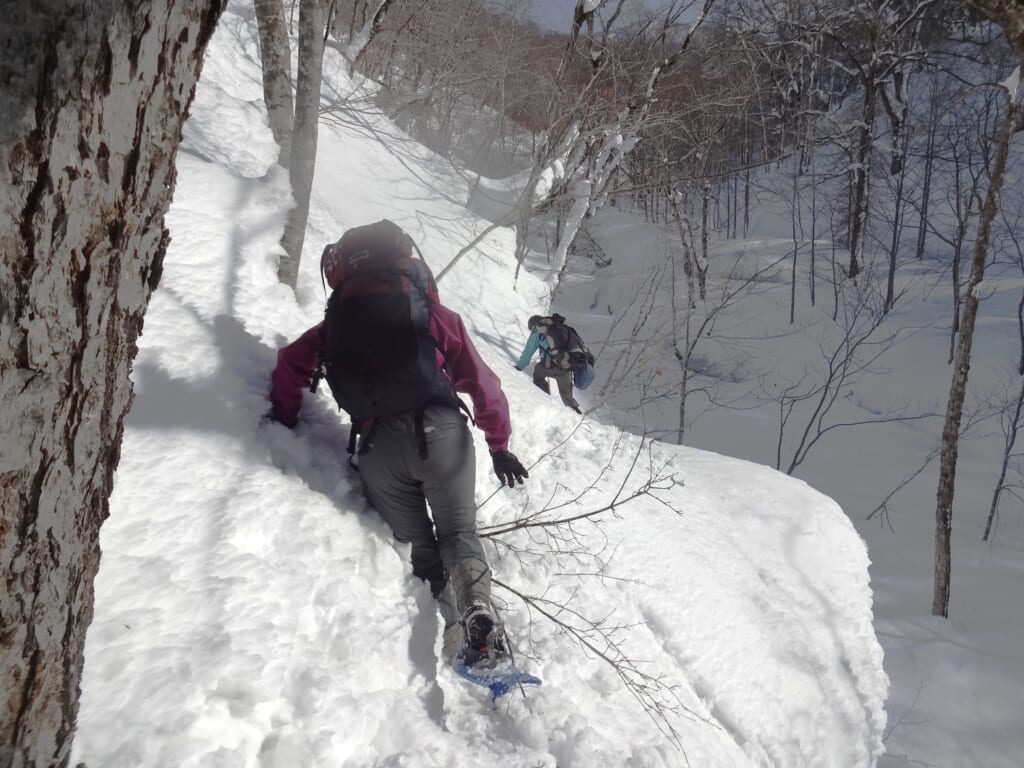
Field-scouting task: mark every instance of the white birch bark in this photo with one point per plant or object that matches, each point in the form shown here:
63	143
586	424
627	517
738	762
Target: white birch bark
90	119
599	153
356	46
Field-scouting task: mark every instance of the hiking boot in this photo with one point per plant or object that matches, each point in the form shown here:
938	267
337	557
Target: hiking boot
484	644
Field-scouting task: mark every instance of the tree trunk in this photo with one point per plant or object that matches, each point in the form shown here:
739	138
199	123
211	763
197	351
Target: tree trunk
682	351
88	140
1009	14
357	46
861	176
814	234
897	230
702	265
958	388
794	218
964	204
1013	428
926	188
312	24
276	57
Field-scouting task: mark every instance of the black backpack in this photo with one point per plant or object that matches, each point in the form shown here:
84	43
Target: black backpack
379	357
566	349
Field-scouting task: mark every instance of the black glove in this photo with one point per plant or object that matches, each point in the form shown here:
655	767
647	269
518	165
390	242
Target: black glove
516	367
508	469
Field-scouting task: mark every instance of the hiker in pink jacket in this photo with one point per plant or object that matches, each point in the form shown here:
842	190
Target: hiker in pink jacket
421	457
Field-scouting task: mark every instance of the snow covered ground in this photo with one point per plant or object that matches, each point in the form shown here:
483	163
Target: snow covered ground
955	699
252	610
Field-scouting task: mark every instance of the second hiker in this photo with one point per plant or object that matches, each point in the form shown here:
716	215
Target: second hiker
560	347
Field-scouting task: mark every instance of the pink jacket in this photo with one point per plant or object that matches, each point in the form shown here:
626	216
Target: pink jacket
297	362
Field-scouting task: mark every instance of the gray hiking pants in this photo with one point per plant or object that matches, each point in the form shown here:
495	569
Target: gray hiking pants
562	377
446	551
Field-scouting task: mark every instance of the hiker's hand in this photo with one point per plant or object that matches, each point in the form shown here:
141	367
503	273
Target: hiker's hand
270	418
508	469
516	367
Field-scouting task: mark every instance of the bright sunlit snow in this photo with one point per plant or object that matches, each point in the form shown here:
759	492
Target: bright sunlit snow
252	610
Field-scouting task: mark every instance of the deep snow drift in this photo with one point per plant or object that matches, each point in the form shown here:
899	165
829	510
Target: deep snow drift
252	610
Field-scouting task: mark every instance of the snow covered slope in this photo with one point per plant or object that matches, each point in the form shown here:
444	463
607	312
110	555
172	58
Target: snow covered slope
252	610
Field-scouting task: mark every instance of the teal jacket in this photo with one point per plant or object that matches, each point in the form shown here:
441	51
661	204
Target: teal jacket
536	341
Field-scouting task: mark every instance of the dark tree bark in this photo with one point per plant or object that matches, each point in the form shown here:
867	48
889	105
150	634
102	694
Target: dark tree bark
861	187
926	187
95	95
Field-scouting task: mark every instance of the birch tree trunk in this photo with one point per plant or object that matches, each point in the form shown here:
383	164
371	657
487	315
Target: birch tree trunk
357	45
95	96
958	388
312	25
276	57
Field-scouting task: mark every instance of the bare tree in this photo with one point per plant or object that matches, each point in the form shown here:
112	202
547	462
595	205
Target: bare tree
597	153
807	405
927	157
95	97
568	529
312	28
822	50
355	49
276	57
1011	424
958	387
597	113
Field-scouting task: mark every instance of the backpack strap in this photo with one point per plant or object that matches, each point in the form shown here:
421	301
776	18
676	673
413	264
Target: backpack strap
353	436
456	400
421	433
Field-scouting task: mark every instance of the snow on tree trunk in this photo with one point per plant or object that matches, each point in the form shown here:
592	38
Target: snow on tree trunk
592	164
599	152
95	96
275	55
358	43
312	24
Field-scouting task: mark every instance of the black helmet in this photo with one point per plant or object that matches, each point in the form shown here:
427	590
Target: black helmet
534	321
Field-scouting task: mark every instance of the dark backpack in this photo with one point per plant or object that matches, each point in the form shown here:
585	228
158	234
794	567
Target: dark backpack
565	347
580	360
379	357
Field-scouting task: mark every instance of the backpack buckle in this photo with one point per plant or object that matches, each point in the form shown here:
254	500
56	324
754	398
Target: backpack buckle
318	374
